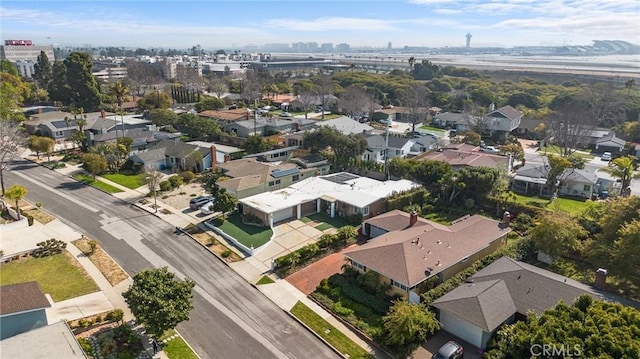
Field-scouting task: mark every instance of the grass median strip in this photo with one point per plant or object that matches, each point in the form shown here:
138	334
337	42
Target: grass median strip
176	347
96	183
59	275
328	332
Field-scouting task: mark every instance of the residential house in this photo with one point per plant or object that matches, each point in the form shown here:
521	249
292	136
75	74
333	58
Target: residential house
381	148
174	155
401	114
51	341
502	293
275	155
527	128
463	155
250	176
143	139
224	117
22	308
455	120
578	183
406	250
221	153
268	126
310	102
609	143
498	122
532	180
346	125
337	194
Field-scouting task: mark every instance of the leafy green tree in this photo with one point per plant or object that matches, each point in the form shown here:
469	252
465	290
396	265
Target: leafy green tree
12	138
425	70
163	117
41	144
119	92
209	103
43	71
407	325
513	149
114	153
58	88
588	329
557	165
557	234
94	163
471	138
159	300
623	168
8	67
154	99
525	99
255	144
224	202
197	127
345	148
16	193
12	95
84	89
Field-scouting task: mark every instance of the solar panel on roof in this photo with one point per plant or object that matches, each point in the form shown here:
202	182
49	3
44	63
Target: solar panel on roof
280	173
341	177
63	124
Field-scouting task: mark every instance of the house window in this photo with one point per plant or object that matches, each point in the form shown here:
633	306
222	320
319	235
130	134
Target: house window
295	177
399	285
59	133
358	265
365	211
276	182
586	188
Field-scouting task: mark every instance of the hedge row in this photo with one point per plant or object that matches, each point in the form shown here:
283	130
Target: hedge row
359	295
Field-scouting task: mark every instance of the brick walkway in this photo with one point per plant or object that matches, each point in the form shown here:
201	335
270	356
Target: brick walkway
308	278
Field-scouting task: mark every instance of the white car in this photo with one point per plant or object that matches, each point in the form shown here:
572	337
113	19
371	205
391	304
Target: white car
207	208
490	149
606	156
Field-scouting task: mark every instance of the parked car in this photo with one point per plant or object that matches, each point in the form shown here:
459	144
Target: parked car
285	114
207	208
490	149
451	350
606	156
199	201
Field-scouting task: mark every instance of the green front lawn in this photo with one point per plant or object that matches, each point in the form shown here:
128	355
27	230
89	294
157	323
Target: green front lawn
87	179
435	130
585	154
572	206
325	220
177	348
265	280
328	332
60	275
131	181
249	235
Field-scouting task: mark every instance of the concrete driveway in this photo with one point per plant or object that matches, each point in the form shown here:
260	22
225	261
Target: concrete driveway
431	346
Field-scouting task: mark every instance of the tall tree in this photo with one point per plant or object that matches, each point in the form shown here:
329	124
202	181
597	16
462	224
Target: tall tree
224	202
12	94
255	144
16	193
407	325
12	137
416	98
43	71
41	144
324	90
94	163
355	100
159	300
84	88
557	234
119	92
623	168
8	67
58	88
152	178
570	123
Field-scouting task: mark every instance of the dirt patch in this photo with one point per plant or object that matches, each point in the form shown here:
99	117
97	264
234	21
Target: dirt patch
179	198
110	269
38	215
214	245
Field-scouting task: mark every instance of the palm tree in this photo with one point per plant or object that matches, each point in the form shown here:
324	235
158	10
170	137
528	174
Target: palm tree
412	61
16	193
119	92
622	167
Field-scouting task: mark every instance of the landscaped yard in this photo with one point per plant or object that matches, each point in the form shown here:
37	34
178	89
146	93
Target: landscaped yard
435	130
248	235
129	180
328	332
176	348
87	179
111	270
585	154
572	206
59	275
325	221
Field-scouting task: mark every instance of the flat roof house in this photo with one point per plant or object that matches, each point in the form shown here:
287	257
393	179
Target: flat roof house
342	194
406	250
501	293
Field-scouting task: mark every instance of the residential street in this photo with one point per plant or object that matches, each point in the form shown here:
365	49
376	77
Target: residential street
231	319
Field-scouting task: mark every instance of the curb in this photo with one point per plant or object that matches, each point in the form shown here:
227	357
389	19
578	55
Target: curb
314	333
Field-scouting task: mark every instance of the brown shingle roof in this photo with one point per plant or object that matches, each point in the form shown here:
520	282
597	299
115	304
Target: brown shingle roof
459	158
239	114
21	297
413	254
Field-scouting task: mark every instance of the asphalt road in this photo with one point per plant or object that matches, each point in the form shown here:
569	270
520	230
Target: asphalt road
230	319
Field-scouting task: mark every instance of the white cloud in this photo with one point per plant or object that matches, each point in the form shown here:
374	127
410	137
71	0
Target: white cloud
333	23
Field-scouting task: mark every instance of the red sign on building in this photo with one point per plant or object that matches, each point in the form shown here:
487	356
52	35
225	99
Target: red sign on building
18	42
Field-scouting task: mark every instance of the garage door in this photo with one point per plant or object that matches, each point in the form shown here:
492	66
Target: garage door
282	215
461	328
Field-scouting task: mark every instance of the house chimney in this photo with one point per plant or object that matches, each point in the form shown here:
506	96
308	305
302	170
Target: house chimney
214	157
601	278
413	218
227	158
506	219
103	114
492	107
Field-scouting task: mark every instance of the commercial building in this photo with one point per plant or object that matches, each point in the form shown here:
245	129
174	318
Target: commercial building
24	55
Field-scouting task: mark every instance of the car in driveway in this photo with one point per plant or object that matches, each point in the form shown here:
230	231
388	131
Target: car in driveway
207	208
197	202
606	156
450	350
285	114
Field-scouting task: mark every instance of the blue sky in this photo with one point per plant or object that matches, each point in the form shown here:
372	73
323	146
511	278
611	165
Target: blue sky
220	23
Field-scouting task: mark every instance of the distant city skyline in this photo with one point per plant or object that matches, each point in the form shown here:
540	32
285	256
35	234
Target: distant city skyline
228	24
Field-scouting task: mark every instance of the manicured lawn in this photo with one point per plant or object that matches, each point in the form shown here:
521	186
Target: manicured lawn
435	130
556	150
441	217
177	348
323	226
265	280
571	206
328	332
59	275
320	217
131	181
87	179
246	234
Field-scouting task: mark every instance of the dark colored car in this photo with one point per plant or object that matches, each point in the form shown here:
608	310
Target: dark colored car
199	201
451	350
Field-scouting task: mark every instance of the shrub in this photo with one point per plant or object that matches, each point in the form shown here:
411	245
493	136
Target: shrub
39	204
93	245
187	176
115	315
85	345
165	186
176	181
226	253
98	319
29	218
469	203
49	247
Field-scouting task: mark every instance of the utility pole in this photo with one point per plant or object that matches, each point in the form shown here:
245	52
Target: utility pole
386	151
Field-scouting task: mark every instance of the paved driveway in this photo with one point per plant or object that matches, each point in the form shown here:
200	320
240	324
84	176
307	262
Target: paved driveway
308	278
426	350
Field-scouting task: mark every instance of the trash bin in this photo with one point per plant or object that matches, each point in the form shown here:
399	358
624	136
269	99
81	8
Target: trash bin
604	194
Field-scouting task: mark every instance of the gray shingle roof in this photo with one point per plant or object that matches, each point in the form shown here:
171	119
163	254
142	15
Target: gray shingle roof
508	111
